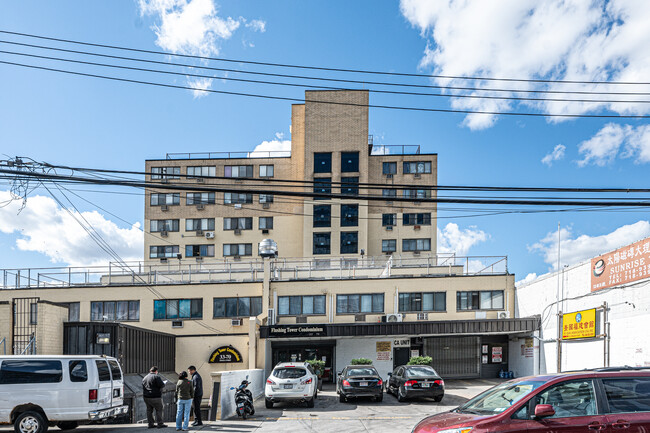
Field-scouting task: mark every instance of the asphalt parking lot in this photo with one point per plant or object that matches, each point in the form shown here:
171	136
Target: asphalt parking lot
328	415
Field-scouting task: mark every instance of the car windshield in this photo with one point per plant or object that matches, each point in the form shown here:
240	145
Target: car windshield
420	371
362	372
289	373
500	398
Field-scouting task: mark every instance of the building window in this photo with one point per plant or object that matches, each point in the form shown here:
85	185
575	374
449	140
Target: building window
163	252
322	215
416	245
235	198
266	198
388	219
349	215
195	224
266	171
350	185
237	307
417	193
156	226
389	168
173	309
301	305
388	245
412	219
389	193
200	198
73	311
354	304
322	243
33	313
111	311
480	300
349	162
238	171
322	185
199	250
349	242
419	167
266	223
243	223
230	250
323	162
165	172
203	171
415	302
171	199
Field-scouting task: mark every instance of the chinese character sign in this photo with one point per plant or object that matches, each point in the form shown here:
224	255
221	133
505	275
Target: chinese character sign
622	266
581	324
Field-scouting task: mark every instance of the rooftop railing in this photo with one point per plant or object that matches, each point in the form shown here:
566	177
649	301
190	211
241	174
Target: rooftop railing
231	155
188	271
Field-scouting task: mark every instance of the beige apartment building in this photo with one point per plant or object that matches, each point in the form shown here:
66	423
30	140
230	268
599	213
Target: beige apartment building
331	153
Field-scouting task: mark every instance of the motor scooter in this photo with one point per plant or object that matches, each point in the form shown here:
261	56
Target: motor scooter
244	400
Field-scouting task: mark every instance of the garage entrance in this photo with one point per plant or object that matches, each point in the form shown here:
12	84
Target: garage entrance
301	351
455	357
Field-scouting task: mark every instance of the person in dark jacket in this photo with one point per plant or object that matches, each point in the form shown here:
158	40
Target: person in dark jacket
184	395
152	386
197	384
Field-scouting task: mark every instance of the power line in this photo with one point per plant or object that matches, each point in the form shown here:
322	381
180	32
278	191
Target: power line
284	65
302	101
444	95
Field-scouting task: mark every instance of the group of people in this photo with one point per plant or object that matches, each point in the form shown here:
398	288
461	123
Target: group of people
189	393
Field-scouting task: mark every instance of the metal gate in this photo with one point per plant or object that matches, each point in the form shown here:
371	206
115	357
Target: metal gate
455	357
25	318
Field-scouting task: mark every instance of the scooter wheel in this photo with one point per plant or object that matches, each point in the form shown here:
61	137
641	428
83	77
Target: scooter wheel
244	415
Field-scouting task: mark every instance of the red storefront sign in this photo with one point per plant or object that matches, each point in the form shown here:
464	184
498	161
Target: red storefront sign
627	264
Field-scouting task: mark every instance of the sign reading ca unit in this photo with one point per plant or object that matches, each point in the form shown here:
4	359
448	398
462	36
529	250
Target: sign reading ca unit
581	324
225	354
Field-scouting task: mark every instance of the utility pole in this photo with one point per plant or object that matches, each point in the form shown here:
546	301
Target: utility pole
557	305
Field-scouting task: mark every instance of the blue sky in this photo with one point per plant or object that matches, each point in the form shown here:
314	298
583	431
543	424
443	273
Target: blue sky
88	122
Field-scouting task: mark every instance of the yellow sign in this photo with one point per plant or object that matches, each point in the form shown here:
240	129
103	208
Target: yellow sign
581	324
383	346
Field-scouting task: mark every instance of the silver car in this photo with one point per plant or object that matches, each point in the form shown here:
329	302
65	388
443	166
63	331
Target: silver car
291	381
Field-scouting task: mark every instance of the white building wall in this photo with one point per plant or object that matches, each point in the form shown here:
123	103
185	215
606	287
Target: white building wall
364	347
628	317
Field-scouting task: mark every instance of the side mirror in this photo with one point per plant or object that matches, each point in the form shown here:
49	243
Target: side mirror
232	387
339	373
544	411
390	374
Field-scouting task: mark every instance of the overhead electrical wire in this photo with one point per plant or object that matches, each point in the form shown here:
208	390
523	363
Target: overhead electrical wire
321	68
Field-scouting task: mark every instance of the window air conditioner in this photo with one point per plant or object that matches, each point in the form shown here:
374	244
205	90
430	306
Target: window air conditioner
265	231
163	260
177	323
389	176
200	180
199	232
237	231
423	316
417	175
200	206
237	205
266	205
163	233
164	208
236	322
389	228
416	227
359	317
416	253
392	318
301	319
199	259
503	315
209	235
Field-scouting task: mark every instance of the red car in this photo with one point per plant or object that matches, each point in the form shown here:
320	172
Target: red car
607	400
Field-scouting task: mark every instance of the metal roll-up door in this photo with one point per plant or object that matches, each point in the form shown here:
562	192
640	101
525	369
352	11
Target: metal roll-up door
455	357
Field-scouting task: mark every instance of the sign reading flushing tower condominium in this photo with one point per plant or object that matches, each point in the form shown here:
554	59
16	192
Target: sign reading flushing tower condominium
624	265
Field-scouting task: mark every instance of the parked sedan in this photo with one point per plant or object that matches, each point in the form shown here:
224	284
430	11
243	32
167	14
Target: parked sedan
359	381
410	381
291	381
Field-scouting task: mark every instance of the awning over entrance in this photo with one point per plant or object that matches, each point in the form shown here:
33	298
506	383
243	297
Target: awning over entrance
447	327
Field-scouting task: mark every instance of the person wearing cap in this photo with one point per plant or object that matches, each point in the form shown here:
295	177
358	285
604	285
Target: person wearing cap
152	386
197	384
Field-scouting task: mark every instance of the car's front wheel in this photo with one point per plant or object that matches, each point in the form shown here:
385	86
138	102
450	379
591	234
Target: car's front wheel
30	422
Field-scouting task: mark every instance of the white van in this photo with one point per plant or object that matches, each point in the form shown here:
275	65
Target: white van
39	390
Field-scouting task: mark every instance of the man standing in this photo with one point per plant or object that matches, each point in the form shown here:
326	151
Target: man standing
152	386
197	383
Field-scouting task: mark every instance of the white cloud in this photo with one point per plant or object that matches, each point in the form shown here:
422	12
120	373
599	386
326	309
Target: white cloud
257	26
199	83
576	249
46	228
452	239
602	148
581	40
529	278
556	155
272	148
638	144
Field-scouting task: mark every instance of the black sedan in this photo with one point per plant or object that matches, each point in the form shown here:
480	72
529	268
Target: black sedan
410	381
359	381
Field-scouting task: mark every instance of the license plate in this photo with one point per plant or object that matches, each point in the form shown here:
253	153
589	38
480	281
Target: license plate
288	386
425	385
363	384
240	405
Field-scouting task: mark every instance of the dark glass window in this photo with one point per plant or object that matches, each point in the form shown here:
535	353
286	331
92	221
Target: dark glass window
353	304
30	371
411	219
389	168
569	399
417	167
389	192
322	215
266	223
73	312
115	370
230	250
301	305
103	371
237	307
156	226
163	252
243	223
178	309
388	219
349	162
388	245
200	198
435	301
350	185
416	244
349	215
349	242
480	300
101	311
323	162
199	250
322	243
236	198
78	371
628	395
322	185
169	199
